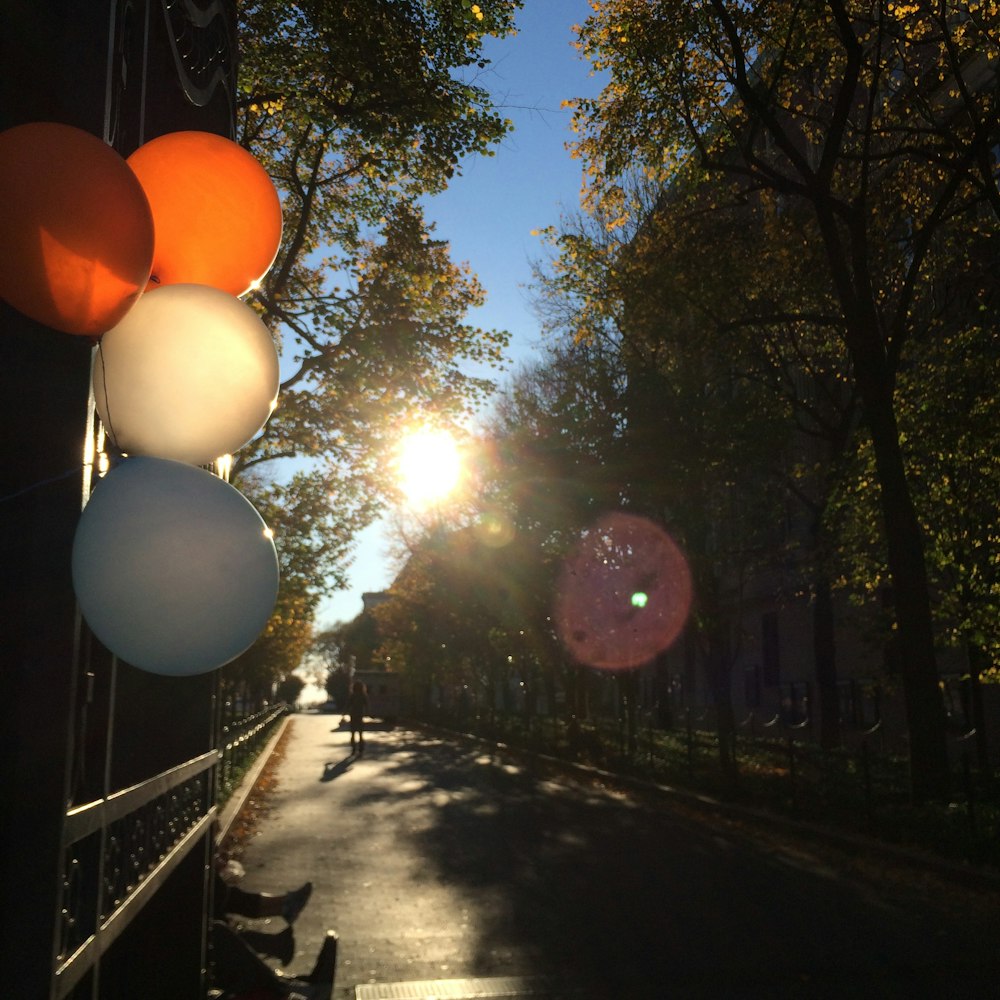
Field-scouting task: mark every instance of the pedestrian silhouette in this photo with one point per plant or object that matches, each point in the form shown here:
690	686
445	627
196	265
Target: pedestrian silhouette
357	709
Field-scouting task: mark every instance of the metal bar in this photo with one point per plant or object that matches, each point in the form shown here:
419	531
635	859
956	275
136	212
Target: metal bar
77	965
86	819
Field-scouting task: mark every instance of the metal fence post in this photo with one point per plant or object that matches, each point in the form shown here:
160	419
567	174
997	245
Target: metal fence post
791	773
866	774
970	791
690	744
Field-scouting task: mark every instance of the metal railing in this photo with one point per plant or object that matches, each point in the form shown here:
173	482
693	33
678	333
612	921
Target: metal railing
117	851
241	742
859	788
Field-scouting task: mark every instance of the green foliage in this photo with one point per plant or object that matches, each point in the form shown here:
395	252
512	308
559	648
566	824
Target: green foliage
950	419
357	110
557	430
326	647
436	624
878	123
358	641
954	449
809	98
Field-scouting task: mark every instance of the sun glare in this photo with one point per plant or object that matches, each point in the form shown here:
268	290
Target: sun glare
429	466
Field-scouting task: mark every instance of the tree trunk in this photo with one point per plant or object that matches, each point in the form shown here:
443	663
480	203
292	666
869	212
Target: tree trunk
977	660
874	375
720	682
664	706
825	655
929	771
629	686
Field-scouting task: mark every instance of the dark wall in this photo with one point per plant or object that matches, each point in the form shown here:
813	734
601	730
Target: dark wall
63	731
51	64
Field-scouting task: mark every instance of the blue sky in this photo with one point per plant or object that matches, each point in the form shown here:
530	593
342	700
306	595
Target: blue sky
490	210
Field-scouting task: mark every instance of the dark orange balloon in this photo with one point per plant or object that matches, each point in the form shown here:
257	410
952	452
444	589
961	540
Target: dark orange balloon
75	227
216	213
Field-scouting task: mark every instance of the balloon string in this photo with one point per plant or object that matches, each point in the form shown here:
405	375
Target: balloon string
108	426
43	482
77	468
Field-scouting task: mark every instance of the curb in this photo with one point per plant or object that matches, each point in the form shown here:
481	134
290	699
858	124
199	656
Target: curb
234	804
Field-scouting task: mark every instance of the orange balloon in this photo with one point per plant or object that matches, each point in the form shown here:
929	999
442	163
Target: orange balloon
217	215
75	227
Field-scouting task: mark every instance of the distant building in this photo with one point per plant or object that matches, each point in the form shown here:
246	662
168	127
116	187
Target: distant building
373	599
383	693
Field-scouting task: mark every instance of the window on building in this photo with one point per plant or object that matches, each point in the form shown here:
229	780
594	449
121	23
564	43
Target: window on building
860	703
796	703
751	686
770	662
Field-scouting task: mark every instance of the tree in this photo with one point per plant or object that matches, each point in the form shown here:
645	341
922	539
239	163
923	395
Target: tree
359	642
438	624
713	274
326	647
557	429
414	625
706	391
358	111
879	119
949	415
289	689
337	676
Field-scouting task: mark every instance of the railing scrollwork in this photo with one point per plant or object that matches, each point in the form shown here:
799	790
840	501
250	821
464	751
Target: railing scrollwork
203	47
116	850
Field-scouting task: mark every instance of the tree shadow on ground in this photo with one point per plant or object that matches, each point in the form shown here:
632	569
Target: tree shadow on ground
620	898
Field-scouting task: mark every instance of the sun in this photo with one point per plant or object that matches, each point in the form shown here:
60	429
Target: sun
429	465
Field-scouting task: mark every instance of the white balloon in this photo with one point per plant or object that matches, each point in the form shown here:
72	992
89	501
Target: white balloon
175	571
189	373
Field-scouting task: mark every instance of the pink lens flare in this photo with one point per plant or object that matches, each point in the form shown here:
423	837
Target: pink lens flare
623	595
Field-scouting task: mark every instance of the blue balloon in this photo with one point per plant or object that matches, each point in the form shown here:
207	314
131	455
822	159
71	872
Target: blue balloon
175	571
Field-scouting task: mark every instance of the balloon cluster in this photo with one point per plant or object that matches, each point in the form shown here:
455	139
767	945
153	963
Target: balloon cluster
174	570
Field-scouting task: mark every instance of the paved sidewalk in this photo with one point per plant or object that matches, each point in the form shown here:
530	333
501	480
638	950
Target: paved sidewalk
450	870
334	820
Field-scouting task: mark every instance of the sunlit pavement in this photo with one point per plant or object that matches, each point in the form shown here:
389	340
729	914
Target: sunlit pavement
447	870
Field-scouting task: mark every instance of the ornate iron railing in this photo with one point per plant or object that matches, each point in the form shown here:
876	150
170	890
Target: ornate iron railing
119	849
241	742
116	852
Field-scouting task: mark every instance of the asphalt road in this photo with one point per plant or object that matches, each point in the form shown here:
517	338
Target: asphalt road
440	860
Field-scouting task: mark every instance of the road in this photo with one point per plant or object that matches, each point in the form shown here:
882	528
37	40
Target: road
441	860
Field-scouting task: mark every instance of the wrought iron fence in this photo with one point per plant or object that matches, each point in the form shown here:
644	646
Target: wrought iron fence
241	742
116	852
860	788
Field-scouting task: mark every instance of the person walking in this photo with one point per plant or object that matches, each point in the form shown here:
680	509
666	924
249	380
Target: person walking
357	709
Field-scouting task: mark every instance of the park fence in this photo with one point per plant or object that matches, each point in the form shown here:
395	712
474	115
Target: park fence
242	739
859	788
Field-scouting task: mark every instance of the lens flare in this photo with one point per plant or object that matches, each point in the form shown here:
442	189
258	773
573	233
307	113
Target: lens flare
494	529
624	594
